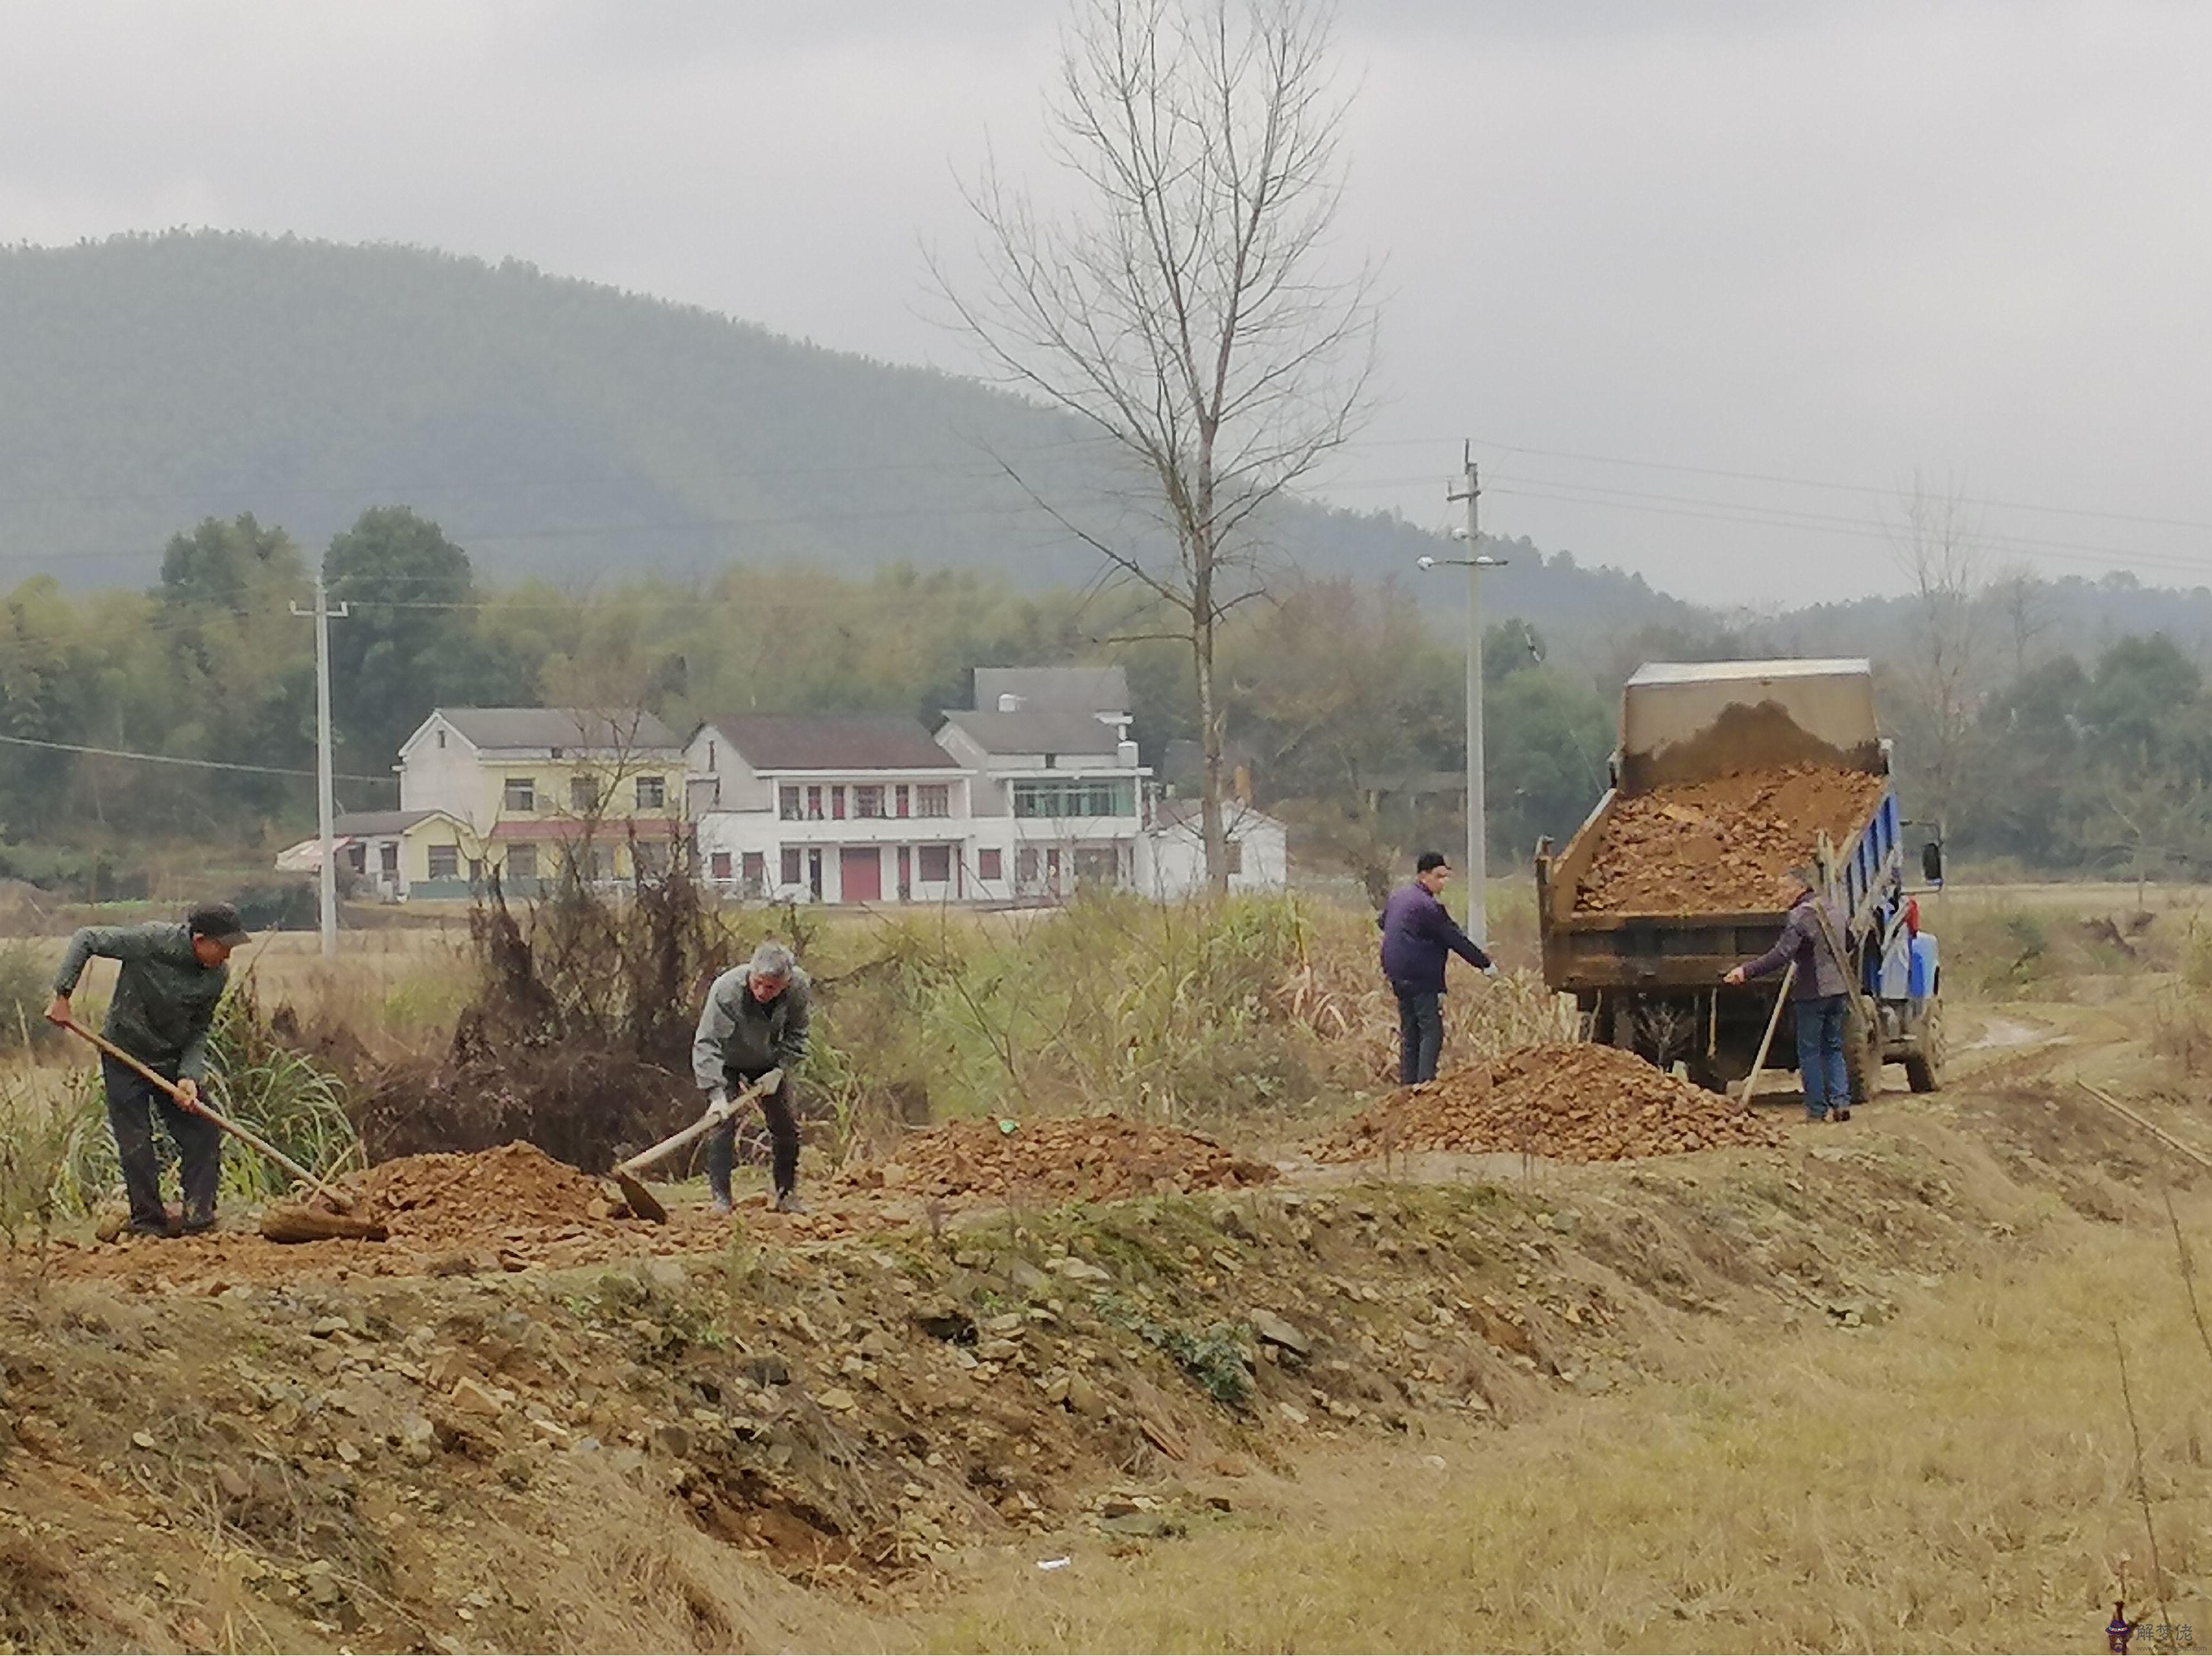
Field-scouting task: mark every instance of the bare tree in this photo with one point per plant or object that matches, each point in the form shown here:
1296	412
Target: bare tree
2023	602
1946	559
1183	310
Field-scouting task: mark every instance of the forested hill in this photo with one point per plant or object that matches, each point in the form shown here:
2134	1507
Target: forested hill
552	426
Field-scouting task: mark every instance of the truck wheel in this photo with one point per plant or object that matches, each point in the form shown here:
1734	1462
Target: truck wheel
1924	1069
1861	1049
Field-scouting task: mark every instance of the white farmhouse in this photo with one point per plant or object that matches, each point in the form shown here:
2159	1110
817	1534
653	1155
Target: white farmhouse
829	809
1172	855
1056	796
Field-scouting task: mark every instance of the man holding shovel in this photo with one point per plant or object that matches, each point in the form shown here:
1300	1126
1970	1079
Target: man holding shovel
755	1021
1810	947
171	978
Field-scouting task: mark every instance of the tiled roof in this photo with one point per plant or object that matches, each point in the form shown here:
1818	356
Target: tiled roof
1054	690
865	741
625	730
1032	732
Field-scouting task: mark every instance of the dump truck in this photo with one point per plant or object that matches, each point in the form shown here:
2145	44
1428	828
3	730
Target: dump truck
1727	776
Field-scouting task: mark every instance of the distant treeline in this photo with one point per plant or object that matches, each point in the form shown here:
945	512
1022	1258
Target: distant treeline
1345	700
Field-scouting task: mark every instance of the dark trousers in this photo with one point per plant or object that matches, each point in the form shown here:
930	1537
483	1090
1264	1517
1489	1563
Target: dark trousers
1420	1035
782	1138
1820	1055
132	1103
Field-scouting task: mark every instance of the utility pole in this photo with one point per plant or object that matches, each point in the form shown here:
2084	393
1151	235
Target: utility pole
1477	881
325	806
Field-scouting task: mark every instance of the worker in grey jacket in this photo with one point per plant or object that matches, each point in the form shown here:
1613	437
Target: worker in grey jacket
755	1021
1820	994
172	976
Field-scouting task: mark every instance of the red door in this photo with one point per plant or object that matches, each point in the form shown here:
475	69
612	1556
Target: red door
860	873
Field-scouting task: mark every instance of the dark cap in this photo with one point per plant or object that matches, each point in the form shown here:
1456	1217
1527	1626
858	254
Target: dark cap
218	921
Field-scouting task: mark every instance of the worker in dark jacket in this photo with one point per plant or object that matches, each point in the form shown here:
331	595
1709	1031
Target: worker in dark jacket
1818	994
755	1021
1417	936
172	976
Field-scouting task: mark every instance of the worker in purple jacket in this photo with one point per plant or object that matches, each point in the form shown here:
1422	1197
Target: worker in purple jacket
1819	993
1417	936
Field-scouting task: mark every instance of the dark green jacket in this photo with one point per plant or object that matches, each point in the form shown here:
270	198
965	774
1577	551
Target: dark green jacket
739	1039
165	999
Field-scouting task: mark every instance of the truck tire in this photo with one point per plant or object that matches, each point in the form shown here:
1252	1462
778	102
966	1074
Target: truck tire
1861	1049
1924	1070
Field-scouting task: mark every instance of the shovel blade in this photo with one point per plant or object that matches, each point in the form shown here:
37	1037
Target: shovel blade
643	1202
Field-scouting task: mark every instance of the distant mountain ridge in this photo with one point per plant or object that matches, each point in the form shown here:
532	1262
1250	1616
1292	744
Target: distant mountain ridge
555	427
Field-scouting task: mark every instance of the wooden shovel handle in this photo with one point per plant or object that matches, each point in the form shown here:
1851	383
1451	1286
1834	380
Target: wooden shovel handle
677	1140
198	1107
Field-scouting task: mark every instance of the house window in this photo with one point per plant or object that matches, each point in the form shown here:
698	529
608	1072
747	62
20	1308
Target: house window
357	854
441	739
1077	796
868	802
756	873
933	799
813	804
583	795
837	805
904	800
1025	865
522	862
650	858
934	864
794	869
1232	856
387	858
718	865
445	862
787	804
988	866
520	794
652	792
710	756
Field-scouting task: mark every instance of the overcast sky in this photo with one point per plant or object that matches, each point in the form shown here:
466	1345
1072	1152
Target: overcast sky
1651	258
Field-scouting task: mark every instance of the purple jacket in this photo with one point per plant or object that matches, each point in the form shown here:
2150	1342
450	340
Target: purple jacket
1819	974
1417	934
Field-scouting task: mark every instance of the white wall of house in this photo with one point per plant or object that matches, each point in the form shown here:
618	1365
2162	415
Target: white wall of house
440	769
1171	863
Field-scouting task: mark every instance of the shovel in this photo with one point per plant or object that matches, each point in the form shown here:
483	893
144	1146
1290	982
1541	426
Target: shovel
184	1101
643	1202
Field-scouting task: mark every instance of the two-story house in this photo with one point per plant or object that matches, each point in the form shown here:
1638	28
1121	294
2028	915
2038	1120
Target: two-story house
530	789
1057	790
832	809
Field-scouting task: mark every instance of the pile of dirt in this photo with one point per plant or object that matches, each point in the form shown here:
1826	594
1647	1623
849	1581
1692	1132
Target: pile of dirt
1717	846
461	1198
1571	1103
1085	1159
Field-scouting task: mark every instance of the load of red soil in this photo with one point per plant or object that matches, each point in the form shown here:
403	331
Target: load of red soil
1571	1103
1717	846
1085	1159
457	1199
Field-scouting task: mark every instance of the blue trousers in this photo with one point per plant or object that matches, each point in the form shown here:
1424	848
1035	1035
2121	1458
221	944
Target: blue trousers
1820	1055
1420	1035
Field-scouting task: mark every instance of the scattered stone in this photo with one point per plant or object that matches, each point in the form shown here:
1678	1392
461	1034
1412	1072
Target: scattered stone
765	1368
1274	1331
836	1397
471	1397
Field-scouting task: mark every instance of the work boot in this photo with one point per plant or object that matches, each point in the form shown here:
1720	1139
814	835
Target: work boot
720	1205
1842	1112
787	1202
195	1224
160	1228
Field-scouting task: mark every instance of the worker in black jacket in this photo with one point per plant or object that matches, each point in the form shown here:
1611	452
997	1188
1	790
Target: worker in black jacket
165	994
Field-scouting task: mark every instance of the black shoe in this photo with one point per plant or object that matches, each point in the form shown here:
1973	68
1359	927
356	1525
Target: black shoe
196	1223
787	1202
1842	1112
160	1227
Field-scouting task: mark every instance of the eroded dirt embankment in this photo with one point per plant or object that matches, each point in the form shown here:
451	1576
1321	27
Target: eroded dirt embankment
724	1449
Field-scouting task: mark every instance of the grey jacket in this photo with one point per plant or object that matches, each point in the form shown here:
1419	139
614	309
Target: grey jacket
739	1037
1820	973
165	999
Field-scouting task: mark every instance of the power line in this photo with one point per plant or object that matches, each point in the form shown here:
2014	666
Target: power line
171	758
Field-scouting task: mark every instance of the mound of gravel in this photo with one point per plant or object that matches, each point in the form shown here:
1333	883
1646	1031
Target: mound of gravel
458	1199
1085	1159
1716	847
1567	1102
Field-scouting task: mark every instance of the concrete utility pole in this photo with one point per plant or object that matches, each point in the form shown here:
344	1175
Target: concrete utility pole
1477	881
325	806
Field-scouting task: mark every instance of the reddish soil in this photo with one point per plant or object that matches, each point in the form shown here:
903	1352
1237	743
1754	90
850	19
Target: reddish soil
459	1200
1717	846
1571	1102
1090	1159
